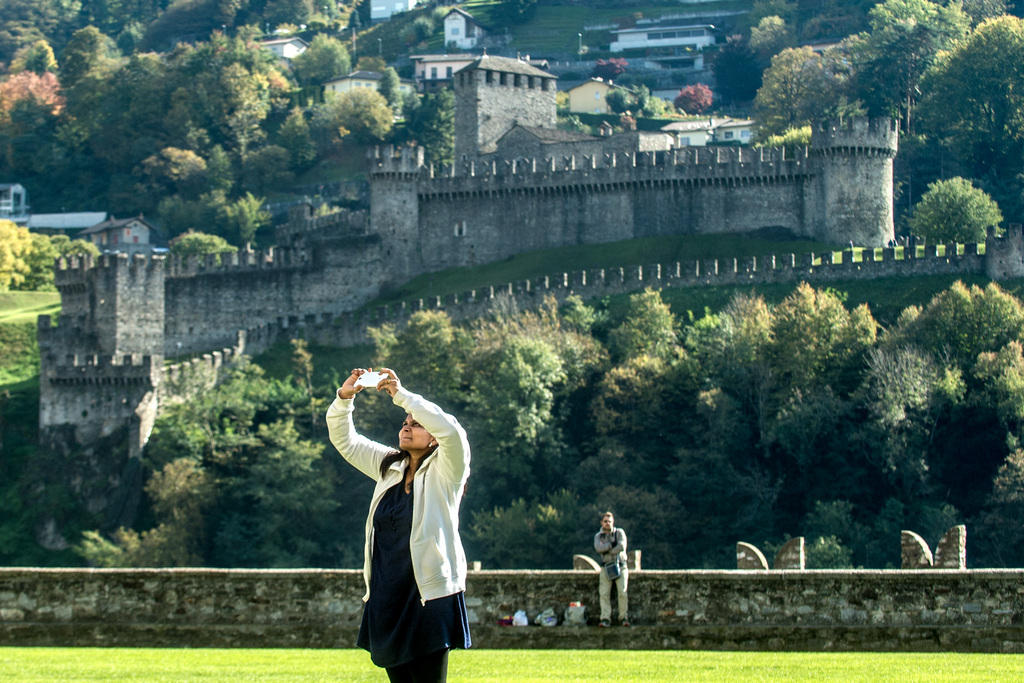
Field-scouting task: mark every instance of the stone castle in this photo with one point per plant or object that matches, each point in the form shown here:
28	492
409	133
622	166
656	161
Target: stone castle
109	360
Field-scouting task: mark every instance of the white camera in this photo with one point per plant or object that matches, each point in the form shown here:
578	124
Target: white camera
370	379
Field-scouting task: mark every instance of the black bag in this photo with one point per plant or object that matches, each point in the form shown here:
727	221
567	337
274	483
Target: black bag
612	570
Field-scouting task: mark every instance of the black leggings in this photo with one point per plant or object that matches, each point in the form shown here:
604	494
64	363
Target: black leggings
432	668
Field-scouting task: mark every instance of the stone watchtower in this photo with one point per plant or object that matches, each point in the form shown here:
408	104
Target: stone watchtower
492	94
99	370
852	165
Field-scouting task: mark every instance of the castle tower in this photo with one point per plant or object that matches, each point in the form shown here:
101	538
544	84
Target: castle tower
492	94
1004	256
99	369
853	187
395	210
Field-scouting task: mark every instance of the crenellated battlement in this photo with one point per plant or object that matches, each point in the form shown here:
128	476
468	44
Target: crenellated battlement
101	369
693	165
858	134
391	161
72	273
273	258
303	225
599	282
721	166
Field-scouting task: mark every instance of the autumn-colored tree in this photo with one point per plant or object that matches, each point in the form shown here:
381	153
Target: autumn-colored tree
43	89
611	68
693	99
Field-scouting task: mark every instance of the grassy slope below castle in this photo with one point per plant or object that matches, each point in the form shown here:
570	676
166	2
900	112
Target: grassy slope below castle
19	354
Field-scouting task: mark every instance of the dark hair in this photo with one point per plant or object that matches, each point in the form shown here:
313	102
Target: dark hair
398	456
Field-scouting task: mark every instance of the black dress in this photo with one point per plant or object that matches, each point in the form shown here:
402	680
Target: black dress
397	627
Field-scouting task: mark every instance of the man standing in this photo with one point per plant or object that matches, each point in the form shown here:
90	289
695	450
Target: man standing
610	544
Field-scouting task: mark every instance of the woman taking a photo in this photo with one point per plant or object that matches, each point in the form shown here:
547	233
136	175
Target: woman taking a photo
414	566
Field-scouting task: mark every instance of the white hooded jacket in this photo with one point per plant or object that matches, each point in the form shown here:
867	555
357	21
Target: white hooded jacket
438	560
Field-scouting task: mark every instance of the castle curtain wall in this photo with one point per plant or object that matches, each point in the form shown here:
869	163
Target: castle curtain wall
503	222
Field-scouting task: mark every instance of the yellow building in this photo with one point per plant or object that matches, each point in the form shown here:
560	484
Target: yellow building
590	97
363	79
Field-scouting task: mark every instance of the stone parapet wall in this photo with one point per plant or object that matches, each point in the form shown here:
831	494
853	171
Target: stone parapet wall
895	610
350	328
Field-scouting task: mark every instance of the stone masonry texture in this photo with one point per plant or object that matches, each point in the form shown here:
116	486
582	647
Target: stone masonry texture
815	610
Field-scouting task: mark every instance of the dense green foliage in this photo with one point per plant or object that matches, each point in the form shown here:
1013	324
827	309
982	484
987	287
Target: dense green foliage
26	258
758	423
955	211
217	124
947	71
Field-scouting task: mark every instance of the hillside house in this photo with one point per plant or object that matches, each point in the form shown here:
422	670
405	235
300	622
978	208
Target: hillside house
591	97
382	10
14	203
710	131
433	72
128	235
286	48
462	30
679	39
364	79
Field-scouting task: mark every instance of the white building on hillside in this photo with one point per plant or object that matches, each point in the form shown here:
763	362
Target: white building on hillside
710	131
286	48
462	30
663	35
13	203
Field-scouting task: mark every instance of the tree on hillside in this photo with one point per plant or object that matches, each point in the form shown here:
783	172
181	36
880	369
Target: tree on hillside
650	330
15	248
973	104
288	11
955	211
244	217
905	38
430	121
389	88
610	69
799	87
294	136
67	247
620	100
737	73
37	58
42	90
362	114
176	170
24	22
693	99
199	243
267	169
770	36
40	260
998	530
980	10
324	59
87	53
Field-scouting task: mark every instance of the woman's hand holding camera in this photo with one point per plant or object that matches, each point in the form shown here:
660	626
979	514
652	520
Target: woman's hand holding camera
359	379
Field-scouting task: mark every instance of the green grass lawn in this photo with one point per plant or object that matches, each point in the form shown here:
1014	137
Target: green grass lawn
19	353
17	307
501	666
